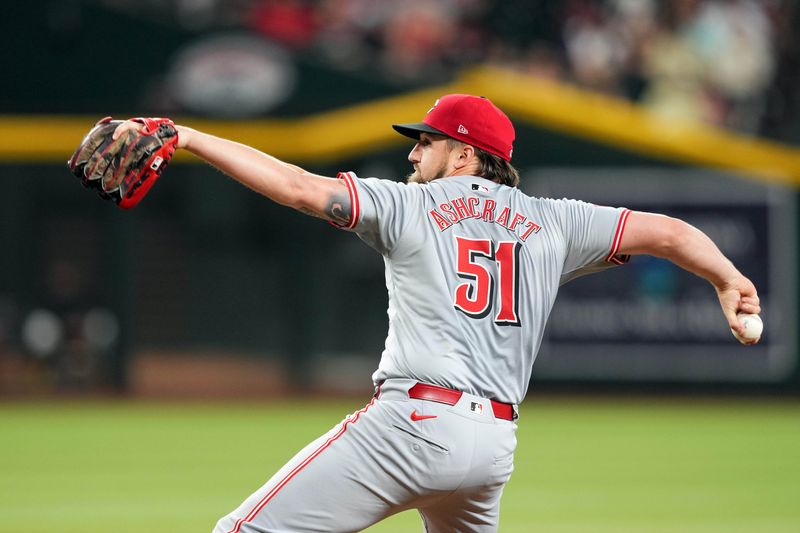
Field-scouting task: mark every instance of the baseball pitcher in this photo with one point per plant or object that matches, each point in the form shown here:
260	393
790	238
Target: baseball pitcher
473	267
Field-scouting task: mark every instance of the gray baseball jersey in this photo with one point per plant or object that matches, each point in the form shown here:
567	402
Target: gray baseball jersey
472	270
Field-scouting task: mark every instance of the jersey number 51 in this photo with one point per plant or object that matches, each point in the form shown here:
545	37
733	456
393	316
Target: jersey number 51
475	297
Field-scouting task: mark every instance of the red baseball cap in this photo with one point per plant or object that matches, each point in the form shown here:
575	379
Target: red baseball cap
474	120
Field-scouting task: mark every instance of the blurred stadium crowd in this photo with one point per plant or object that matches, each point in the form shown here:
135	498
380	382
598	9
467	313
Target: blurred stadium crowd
731	63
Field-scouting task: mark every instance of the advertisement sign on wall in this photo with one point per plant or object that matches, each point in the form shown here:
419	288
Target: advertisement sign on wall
650	320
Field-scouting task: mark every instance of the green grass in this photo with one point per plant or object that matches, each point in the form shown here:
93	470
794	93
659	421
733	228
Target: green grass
582	465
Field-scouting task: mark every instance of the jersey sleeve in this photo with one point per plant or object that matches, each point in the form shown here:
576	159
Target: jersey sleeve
380	210
592	237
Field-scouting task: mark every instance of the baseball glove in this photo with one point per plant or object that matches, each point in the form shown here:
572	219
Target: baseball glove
124	170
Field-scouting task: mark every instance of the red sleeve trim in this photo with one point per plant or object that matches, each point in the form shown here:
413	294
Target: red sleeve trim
355	213
612	256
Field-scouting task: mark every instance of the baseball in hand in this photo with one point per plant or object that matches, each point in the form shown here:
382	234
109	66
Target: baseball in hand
753	326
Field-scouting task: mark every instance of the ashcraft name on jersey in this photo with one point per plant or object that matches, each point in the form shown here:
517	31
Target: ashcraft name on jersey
485	209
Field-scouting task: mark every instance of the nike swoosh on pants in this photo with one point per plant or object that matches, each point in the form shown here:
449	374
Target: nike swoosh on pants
416	418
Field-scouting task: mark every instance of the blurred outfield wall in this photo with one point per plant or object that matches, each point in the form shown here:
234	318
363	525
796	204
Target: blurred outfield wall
204	266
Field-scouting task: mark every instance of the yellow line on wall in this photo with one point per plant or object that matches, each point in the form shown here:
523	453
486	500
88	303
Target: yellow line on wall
364	128
618	123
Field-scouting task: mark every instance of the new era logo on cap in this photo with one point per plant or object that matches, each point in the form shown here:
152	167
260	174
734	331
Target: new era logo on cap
470	119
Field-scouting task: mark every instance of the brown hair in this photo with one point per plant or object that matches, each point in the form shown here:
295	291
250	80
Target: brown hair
491	167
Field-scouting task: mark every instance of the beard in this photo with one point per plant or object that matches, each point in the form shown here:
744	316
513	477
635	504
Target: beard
418	177
414	177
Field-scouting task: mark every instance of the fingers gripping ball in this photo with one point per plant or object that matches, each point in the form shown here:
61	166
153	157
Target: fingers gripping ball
753	327
124	169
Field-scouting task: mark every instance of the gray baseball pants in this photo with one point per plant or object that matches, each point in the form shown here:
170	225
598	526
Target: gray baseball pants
449	462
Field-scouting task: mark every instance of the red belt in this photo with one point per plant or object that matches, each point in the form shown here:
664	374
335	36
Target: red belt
434	393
